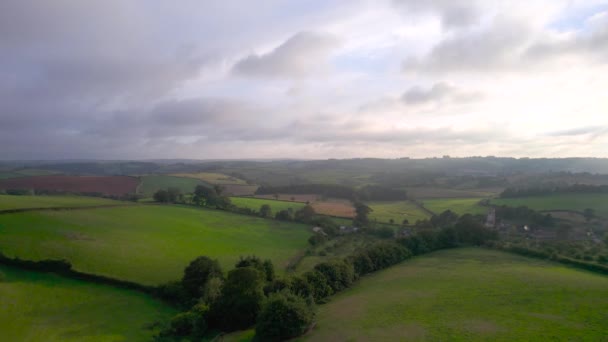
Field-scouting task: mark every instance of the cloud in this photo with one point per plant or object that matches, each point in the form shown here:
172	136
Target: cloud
301	55
496	46
591	132
452	13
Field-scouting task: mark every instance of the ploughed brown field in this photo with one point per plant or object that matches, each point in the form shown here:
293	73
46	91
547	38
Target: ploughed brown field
108	185
335	207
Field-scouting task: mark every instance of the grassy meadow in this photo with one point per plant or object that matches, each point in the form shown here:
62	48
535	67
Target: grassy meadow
46	307
151	184
23	202
576	202
256	203
460	206
397	211
148	244
213	178
469	294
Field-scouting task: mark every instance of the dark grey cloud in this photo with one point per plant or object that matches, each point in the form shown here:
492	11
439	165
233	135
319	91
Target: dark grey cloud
452	13
299	56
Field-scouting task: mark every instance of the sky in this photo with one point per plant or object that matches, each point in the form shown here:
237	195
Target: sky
307	79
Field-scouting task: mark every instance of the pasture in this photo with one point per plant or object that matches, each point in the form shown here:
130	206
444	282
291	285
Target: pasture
293	197
46	307
460	206
152	183
23	202
108	185
213	178
256	203
469	294
397	211
435	192
334	207
148	244
575	202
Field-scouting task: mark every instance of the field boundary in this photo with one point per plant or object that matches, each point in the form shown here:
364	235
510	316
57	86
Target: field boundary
21	210
64	268
421	206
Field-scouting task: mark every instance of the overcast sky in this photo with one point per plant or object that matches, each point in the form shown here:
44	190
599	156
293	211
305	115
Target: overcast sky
128	79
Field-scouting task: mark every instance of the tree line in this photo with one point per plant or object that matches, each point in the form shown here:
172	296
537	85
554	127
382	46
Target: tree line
281	308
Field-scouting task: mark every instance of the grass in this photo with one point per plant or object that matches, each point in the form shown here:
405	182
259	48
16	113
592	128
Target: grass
460	206
148	244
397	211
151	184
436	192
46	307
213	178
576	202
256	203
469	294
22	202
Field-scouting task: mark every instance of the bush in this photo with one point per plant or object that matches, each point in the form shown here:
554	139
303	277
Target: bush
339	274
283	316
188	324
2	276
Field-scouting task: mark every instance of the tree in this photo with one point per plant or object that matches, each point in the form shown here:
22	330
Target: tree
362	211
284	215
203	194
161	196
283	316
305	214
405	222
265	210
266	266
198	273
174	194
241	300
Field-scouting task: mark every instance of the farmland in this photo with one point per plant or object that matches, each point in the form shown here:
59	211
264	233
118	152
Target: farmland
435	192
152	183
149	244
108	185
213	178
23	202
239	189
469	294
47	307
576	202
256	203
460	206
396	211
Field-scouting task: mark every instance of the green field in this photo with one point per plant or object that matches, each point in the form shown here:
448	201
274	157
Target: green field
213	178
460	206
151	184
22	202
577	202
256	203
26	173
397	211
149	244
469	294
46	307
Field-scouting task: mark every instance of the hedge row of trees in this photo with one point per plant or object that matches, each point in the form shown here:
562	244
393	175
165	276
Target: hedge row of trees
283	308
